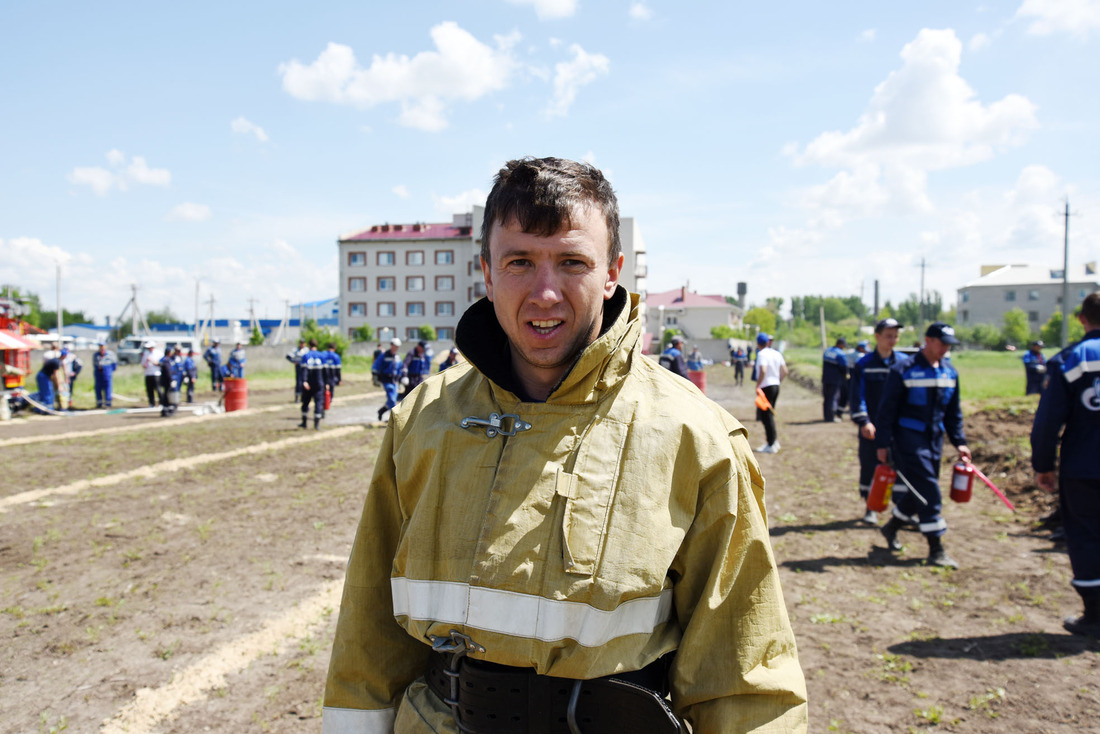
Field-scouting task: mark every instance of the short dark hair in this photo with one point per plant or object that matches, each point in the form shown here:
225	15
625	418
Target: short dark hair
543	194
312	343
1090	308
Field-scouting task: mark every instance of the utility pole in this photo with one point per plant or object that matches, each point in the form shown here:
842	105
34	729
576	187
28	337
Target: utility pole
252	325
196	332
921	325
60	313
876	300
1065	282
210	321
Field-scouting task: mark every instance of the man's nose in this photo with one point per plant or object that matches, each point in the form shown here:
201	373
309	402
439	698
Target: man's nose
546	289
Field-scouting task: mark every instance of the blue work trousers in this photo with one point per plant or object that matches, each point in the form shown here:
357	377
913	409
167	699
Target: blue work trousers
103	385
920	464
831	394
316	393
1080	503
45	391
391	394
868	460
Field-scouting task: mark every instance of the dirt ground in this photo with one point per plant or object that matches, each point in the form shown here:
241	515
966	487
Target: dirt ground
182	574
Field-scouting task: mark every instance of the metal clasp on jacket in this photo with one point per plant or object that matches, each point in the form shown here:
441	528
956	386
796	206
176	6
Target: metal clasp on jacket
457	644
496	424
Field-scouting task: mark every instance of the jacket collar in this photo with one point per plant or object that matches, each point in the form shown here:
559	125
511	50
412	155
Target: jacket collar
603	363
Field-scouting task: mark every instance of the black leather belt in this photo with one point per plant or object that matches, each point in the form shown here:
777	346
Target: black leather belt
498	699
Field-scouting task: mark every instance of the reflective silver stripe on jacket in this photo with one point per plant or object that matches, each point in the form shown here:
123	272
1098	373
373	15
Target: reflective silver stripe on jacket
1085	366
357	721
527	615
931	382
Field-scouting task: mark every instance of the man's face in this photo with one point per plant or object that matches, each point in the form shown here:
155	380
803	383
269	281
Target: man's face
935	349
102	348
394	348
548	292
886	340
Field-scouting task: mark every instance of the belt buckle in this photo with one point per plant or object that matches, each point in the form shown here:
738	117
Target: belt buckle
458	645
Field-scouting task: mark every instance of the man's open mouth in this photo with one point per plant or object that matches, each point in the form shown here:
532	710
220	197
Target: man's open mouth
545	327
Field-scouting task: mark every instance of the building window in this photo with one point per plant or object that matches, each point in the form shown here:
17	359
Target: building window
445	332
414	283
670	321
444	257
966	316
389	283
357	284
385	258
444	282
414	257
444	308
479	289
1010	295
414	308
412	333
357	309
357	258
386	308
353	332
1033	295
1032	315
966	296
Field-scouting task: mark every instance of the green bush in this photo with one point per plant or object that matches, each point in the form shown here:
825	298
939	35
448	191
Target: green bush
324	336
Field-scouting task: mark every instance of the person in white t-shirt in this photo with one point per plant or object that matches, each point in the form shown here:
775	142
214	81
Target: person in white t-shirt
771	369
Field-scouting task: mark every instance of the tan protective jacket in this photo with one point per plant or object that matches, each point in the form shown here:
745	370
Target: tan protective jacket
627	522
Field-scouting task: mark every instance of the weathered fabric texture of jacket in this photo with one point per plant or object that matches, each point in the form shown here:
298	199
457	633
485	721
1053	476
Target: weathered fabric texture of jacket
627	522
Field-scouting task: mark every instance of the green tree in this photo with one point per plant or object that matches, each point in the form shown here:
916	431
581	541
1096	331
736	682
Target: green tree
773	304
364	333
1016	331
324	336
1051	333
29	301
426	333
257	337
723	331
48	319
762	318
667	337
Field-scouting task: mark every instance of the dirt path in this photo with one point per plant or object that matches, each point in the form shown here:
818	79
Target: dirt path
202	599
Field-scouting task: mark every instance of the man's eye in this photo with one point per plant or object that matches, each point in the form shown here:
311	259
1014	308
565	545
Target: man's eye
519	262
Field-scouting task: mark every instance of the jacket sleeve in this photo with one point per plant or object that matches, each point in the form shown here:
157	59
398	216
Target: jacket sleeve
736	669
857	398
893	392
373	658
953	417
1050	416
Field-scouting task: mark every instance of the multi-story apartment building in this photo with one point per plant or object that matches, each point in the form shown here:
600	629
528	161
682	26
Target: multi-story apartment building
398	277
1034	289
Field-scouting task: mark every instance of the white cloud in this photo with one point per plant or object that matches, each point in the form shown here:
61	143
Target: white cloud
922	118
1076	17
978	42
570	76
640	11
102	180
550	9
461	68
245	127
868	35
445	206
401	191
189	212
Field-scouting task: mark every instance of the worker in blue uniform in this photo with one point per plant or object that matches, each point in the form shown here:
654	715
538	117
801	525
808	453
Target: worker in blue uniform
868	378
171	375
190	374
213	357
695	360
313	385
1035	368
104	364
236	361
672	359
389	368
920	403
48	377
418	365
333	369
834	374
295	358
1072	400
739	358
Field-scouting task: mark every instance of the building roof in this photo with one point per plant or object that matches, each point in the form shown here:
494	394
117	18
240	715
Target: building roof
417	231
683	298
1035	275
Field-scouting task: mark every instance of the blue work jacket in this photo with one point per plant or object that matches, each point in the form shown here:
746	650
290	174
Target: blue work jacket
333	366
834	366
920	403
868	380
1071	399
388	366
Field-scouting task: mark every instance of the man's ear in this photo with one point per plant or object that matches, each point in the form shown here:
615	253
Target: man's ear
613	273
488	278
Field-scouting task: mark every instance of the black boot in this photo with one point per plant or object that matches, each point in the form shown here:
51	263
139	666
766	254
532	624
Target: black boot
303	423
381	411
316	423
1089	622
937	556
890	532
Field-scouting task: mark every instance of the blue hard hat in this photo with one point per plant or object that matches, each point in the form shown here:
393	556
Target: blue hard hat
762	338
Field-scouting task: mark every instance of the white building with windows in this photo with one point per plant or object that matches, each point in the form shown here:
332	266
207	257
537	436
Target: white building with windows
1035	290
398	277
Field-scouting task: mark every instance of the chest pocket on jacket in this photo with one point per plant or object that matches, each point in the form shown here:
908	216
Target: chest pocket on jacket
589	490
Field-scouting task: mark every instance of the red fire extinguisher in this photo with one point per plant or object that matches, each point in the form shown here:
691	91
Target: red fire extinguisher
962	481
882	486
328	397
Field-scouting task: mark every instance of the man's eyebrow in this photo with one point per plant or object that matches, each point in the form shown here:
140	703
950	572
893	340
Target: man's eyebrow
527	252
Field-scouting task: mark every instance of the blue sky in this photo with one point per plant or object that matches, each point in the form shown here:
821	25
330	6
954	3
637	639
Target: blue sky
803	147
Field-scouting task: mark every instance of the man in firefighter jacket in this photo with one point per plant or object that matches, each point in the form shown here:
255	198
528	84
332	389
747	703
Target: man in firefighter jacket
333	369
557	515
868	378
834	374
920	402
104	364
1035	369
313	385
1072	400
390	369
